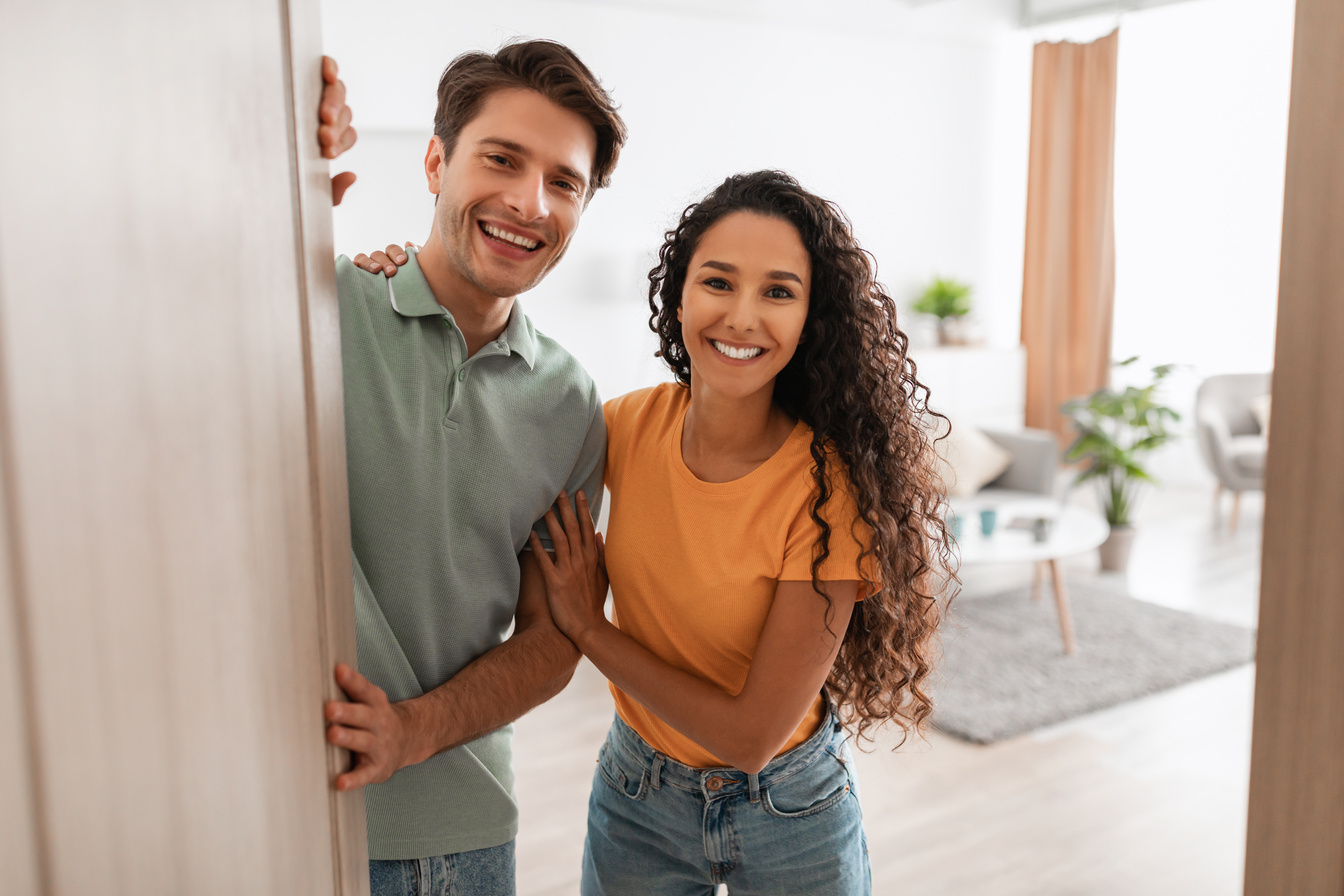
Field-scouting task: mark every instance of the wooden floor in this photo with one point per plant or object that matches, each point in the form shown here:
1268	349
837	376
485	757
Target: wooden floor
1148	797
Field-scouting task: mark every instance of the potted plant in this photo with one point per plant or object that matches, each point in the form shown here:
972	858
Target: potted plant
1117	430
949	301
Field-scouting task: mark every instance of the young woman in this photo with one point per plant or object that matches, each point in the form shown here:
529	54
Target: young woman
774	549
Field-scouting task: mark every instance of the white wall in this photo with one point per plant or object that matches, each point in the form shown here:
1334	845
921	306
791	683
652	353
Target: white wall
886	110
1201	136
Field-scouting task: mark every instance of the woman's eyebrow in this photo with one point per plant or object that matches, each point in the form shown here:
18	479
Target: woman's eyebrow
732	269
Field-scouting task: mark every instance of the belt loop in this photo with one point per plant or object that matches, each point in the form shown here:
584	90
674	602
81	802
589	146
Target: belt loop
754	787
656	771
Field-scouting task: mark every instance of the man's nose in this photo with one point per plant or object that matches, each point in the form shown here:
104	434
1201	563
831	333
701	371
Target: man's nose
527	197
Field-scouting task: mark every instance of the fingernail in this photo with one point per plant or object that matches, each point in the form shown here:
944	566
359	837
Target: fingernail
401	259
374	266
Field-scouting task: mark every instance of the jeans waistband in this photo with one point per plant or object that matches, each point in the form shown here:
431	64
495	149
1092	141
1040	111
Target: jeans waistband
725	781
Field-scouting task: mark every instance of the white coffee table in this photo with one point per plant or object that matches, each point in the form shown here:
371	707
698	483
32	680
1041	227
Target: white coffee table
1072	531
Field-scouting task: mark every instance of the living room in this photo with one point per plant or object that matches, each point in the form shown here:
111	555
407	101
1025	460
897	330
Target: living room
177	497
915	118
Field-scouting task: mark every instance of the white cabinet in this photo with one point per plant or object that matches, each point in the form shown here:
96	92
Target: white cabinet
978	385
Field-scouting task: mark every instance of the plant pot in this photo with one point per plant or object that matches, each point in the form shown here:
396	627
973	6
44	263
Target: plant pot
1115	549
951	331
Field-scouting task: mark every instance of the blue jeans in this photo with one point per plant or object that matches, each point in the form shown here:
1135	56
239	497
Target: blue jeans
480	872
661	828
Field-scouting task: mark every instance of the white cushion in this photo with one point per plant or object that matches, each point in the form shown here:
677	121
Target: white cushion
968	460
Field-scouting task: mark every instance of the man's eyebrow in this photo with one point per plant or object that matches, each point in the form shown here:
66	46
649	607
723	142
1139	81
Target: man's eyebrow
732	269
519	149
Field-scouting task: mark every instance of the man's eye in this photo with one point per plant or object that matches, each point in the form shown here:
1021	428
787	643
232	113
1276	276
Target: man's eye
498	159
566	186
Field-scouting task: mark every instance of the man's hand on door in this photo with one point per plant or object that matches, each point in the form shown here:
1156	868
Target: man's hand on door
334	134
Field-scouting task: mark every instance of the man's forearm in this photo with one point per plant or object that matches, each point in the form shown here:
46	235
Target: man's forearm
499	686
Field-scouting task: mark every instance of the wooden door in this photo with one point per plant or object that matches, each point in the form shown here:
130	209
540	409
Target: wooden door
1295	834
174	561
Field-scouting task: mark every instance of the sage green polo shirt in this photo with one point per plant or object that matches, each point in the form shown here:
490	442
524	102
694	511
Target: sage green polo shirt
452	461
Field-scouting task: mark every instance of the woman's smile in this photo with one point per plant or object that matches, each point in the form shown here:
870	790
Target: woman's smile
733	352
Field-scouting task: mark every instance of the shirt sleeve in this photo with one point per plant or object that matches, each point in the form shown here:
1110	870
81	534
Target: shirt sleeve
849	538
588	468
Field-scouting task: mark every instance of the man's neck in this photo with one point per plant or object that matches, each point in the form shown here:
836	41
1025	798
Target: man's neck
480	317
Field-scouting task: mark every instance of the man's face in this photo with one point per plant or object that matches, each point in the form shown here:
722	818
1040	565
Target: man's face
512	192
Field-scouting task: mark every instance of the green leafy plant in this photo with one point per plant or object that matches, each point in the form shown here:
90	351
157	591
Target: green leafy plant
944	298
1116	432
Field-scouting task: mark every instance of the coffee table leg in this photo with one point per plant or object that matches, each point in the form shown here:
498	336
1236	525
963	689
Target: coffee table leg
1062	606
1037	575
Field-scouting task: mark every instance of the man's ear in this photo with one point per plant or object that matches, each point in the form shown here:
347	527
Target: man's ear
434	164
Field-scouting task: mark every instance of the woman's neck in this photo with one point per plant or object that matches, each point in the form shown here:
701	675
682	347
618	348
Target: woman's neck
723	438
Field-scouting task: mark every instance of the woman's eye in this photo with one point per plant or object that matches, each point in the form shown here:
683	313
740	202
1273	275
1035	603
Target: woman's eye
778	292
716	283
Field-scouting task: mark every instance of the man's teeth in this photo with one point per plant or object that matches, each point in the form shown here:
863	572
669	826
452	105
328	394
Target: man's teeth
740	354
510	237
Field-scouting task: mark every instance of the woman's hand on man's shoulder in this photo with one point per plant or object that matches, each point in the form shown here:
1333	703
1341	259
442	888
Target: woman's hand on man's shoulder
384	261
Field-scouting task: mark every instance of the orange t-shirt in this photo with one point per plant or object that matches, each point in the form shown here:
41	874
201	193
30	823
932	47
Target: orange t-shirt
694	564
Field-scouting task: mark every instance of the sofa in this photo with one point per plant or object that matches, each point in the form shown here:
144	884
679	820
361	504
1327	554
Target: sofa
990	466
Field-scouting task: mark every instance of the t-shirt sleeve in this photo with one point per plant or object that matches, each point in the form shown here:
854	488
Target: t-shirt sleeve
849	538
588	467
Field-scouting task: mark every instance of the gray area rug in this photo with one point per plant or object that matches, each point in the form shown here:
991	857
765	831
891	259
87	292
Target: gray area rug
1004	671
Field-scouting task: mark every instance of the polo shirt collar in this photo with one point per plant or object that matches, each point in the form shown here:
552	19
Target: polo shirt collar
519	335
411	296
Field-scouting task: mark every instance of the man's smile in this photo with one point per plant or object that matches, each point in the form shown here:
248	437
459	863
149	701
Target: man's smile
512	238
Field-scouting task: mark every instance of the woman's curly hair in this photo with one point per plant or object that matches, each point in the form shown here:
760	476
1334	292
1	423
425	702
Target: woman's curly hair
852	381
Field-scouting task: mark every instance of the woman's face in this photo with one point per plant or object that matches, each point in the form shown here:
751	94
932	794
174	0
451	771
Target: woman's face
744	303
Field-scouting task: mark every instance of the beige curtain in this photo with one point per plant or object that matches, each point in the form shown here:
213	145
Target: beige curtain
1068	281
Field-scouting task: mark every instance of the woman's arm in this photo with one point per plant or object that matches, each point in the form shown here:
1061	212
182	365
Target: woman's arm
793	658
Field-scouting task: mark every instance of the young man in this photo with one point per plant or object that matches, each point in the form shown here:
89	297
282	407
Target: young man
463	424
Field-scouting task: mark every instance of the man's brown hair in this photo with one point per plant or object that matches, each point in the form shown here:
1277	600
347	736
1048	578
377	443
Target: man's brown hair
549	68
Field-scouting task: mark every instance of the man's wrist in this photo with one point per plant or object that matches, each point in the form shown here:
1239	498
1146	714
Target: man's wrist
417	745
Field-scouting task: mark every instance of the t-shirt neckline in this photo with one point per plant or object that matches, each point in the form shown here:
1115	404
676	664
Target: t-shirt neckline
732	486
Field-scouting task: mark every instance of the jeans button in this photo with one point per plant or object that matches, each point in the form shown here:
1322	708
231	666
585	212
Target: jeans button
714	783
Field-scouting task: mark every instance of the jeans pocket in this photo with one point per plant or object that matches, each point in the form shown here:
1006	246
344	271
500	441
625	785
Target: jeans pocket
621	774
819	787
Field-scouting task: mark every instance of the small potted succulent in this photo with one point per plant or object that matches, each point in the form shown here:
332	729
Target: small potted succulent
949	301
1117	430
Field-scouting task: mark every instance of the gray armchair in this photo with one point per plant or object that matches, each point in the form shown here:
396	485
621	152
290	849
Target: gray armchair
1229	435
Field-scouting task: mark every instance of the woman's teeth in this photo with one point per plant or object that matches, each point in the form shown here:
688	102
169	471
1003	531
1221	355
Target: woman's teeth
509	237
739	354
